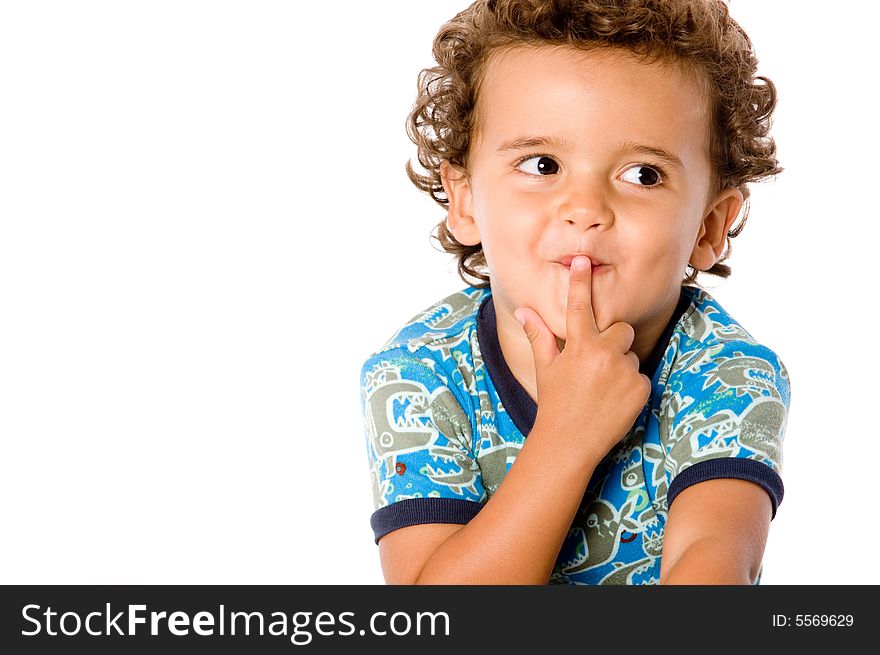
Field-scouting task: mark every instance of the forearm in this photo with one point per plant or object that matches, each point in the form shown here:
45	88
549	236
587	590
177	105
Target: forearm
516	537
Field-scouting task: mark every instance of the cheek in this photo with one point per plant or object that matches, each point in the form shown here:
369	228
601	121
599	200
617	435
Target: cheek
659	269
660	250
510	235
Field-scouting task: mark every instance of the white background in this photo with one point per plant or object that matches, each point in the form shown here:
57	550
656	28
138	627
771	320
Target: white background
206	227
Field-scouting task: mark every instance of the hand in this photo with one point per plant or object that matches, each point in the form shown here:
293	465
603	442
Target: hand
590	393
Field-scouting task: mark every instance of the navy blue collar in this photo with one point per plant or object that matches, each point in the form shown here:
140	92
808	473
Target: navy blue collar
517	402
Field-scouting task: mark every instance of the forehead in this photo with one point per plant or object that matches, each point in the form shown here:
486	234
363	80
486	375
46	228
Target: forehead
590	96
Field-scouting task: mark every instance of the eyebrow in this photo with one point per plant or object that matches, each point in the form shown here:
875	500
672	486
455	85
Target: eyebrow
663	155
524	143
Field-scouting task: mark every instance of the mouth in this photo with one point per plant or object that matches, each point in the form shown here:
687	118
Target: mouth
597	265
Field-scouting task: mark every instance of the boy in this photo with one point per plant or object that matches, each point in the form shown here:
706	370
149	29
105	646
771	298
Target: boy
539	427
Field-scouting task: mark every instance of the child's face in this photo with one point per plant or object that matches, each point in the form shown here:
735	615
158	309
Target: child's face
592	187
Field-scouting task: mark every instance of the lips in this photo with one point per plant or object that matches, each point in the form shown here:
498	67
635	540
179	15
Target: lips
567	259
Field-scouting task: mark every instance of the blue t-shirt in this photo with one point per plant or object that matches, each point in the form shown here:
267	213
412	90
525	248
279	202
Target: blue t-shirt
445	419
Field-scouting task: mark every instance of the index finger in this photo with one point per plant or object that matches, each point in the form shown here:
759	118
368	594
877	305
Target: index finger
580	323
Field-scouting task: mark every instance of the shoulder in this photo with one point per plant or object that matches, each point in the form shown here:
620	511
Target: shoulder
714	347
727	395
724	403
444	320
435	334
418	406
707	322
432	349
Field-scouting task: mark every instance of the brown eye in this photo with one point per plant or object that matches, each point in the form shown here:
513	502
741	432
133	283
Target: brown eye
539	165
642	176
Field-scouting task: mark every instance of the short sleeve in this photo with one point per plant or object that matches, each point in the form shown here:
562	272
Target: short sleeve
727	408
419	445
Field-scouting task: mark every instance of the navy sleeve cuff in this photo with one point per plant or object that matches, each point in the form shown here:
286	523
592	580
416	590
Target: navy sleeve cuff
415	511
729	467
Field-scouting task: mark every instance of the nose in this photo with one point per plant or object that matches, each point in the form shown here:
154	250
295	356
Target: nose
585	205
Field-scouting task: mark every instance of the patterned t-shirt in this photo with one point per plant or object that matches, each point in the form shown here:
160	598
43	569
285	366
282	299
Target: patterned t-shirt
445	419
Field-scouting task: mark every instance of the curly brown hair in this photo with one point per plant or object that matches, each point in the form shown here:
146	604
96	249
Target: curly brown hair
698	35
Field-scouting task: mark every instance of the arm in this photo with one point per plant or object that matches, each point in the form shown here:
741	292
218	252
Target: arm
716	533
516	537
588	397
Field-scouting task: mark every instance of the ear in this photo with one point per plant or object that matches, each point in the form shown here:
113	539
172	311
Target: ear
460	219
711	238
